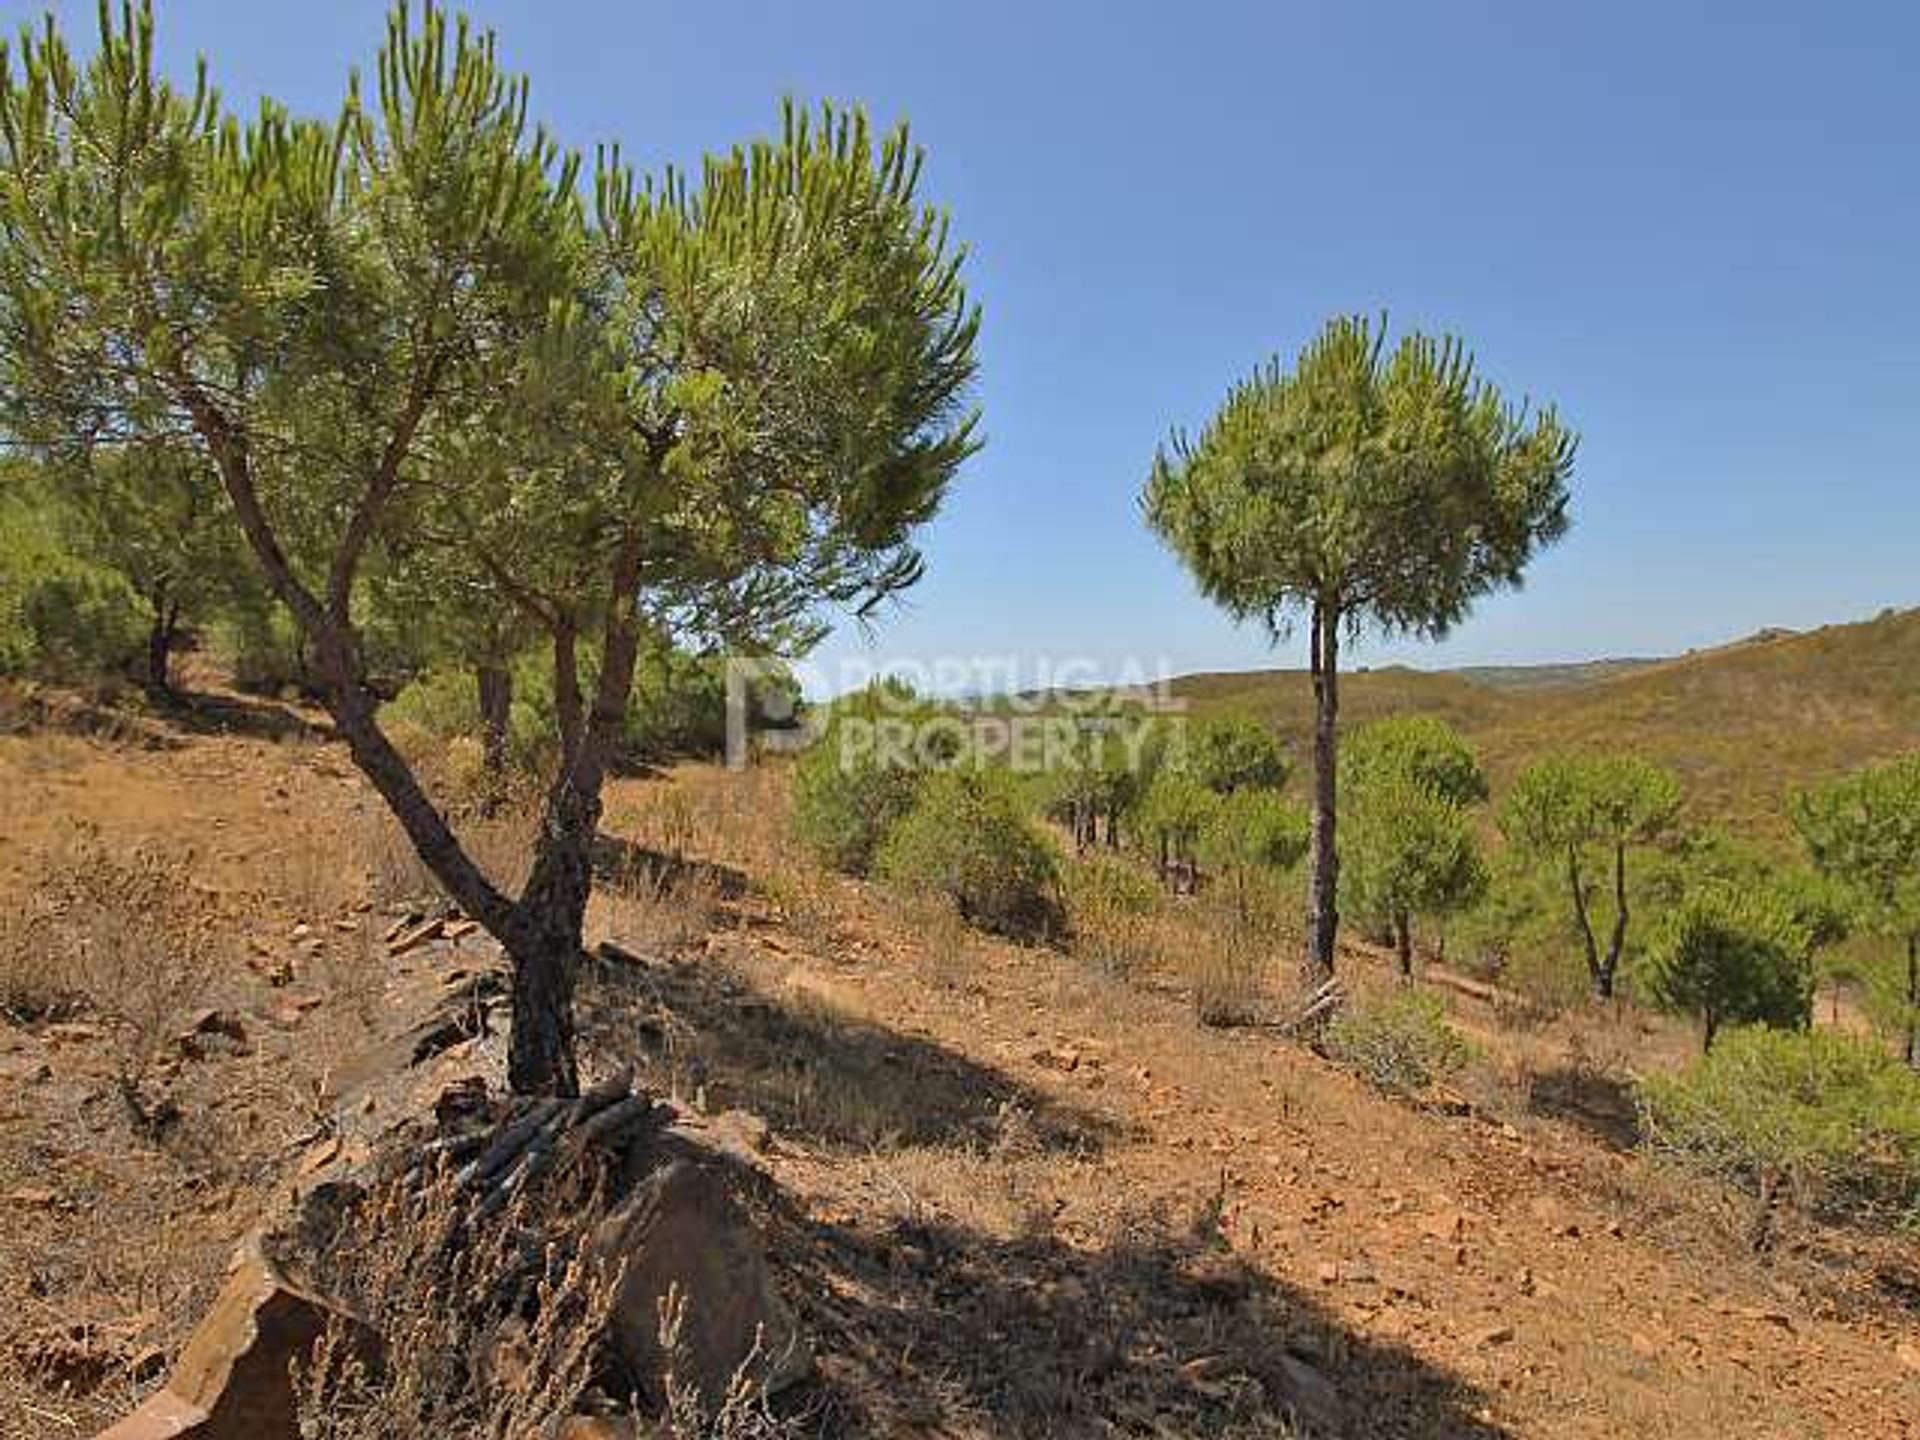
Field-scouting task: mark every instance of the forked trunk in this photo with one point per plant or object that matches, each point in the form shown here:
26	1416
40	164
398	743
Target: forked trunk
1323	915
1602	979
1617	942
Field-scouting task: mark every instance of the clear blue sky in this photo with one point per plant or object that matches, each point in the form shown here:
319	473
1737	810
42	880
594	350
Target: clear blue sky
1695	228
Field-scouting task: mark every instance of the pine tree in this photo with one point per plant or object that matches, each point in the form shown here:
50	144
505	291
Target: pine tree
1564	807
760	380
1363	488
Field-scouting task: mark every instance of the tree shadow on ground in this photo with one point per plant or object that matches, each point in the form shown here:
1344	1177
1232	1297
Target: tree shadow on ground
207	712
935	1329
1601	1105
641	869
813	1072
924	1325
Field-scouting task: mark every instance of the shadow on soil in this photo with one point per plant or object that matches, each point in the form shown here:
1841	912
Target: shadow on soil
931	1329
1600	1105
201	712
644	870
814	1073
925	1327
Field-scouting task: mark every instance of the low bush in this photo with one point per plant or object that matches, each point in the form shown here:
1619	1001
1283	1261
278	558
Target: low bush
864	774
1227	966
448	1292
1401	1043
968	838
1111	905
264	648
60	618
1834	1118
1731	957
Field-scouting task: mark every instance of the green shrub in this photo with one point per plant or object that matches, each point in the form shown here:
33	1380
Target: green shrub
865	771
845	801
1111	905
1253	829
1407	851
264	647
1422	750
1233	752
60	618
80	623
1835	1117
1110	884
444	704
1520	936
968	839
1169	820
1731	957
1401	1043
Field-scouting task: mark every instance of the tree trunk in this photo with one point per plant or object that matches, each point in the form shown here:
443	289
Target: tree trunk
1617	942
1913	999
544	938
1709	1028
495	684
569	712
160	637
1403	944
1323	915
545	942
1602	980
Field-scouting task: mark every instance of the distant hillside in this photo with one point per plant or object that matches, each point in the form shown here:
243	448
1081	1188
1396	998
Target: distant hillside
1742	724
1551	677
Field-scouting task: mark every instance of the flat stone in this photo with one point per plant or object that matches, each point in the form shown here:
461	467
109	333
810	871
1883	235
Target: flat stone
233	1379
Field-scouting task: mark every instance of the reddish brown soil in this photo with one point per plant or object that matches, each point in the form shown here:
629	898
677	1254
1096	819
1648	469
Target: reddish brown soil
1010	1195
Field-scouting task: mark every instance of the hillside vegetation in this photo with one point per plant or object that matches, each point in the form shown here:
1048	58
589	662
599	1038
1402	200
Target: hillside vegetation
1741	724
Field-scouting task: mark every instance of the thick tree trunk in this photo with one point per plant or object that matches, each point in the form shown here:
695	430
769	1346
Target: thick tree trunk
545	943
1323	915
568	709
1403	944
495	686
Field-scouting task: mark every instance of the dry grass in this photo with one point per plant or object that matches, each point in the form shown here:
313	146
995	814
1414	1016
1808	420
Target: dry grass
129	937
487	1328
111	1249
1239	965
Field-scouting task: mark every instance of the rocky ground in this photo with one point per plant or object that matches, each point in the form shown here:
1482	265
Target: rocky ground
1005	1193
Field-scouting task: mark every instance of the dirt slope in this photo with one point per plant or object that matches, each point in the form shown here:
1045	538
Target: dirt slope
1010	1196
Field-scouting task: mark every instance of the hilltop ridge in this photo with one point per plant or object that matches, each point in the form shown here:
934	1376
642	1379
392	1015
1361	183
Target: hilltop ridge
1741	723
